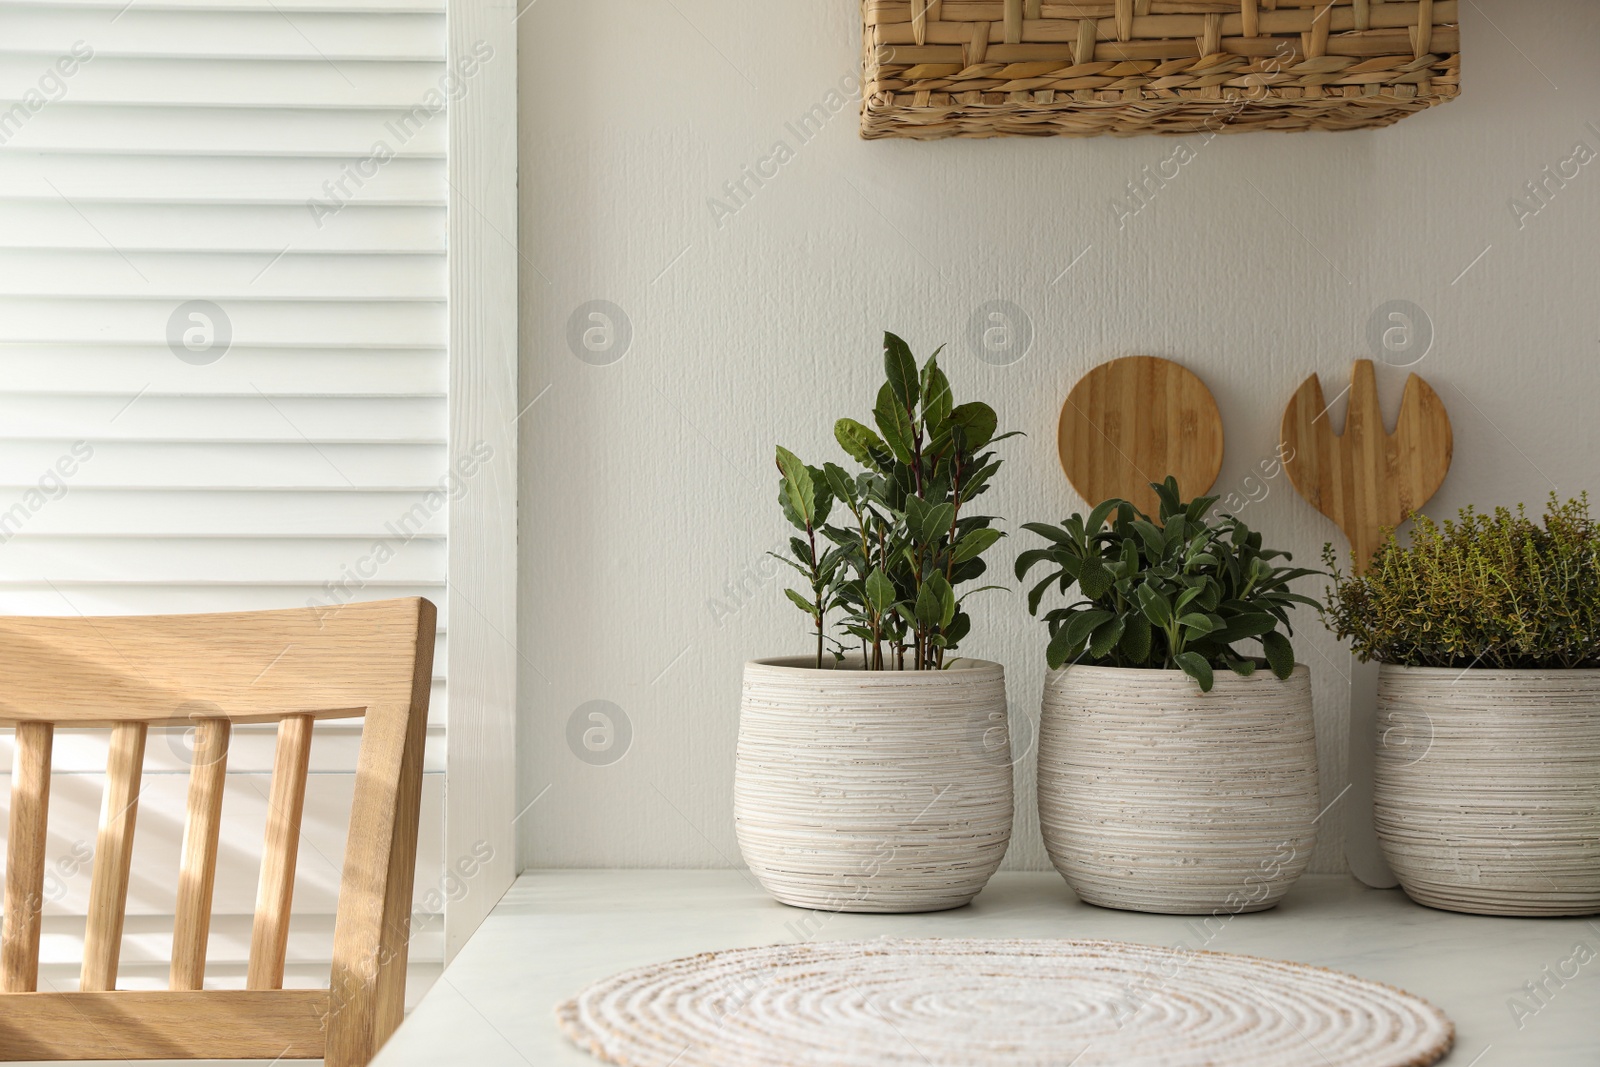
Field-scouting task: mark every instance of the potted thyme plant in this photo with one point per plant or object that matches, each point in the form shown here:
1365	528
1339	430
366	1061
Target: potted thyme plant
862	781
1486	789
1177	771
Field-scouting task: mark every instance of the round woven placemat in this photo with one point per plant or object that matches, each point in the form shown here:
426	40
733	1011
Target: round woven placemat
939	1002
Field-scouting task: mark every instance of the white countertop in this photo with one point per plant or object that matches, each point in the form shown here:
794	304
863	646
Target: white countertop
555	931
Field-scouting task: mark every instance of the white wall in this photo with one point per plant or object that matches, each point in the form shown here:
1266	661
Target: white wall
648	481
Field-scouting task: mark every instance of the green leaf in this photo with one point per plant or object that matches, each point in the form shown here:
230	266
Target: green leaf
1196	667
916	514
976	483
895	425
880	591
936	602
947	599
1097	517
937	399
862	444
1167	493
977	422
975	543
1027	559
790	562
901	368
840	483
1280	653
1105	637
823	494
1094	579
1037	592
937	524
1156	607
1196	622
1051	533
1155	543
797	485
1250	624
1082	624
1058	650
801	602
1136	640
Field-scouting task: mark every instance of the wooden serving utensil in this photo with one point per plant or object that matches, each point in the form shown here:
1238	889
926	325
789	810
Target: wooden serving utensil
1365	479
1134	421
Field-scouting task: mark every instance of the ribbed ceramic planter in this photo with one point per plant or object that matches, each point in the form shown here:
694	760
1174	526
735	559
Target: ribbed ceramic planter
879	791
1154	796
1486	790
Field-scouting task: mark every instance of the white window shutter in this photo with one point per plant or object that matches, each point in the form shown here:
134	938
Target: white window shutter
176	174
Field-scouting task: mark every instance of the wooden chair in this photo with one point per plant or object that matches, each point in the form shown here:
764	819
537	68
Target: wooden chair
290	667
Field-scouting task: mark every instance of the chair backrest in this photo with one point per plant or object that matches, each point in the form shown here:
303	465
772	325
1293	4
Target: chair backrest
128	673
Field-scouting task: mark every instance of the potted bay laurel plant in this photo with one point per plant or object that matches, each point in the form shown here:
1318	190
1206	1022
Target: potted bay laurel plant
1486	790
1177	771
863	779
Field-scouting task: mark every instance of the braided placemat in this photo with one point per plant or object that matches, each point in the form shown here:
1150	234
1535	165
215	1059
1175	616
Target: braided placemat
939	1002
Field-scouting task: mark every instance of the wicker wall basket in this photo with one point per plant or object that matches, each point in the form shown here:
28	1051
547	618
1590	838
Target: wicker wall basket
987	68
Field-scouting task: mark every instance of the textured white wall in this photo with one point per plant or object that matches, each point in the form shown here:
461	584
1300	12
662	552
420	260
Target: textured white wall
648	488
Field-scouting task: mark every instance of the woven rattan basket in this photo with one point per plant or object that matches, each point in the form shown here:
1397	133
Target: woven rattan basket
987	68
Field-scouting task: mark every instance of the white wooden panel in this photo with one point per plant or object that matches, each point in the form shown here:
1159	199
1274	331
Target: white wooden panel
88	178
375	7
186	513
368	323
255	418
70	560
48	32
134	599
270	230
484	409
137	465
179	275
206	131
211	83
279	372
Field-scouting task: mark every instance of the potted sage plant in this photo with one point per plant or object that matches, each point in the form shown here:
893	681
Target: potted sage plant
1486	788
1177	771
873	772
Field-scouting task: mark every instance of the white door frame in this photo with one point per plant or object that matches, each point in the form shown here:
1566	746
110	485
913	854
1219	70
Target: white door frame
480	783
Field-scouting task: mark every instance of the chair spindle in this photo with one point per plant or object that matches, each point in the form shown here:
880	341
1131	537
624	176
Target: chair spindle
198	868
25	856
269	938
108	890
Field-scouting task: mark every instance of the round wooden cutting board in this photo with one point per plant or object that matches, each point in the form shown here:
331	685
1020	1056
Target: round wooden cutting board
1134	421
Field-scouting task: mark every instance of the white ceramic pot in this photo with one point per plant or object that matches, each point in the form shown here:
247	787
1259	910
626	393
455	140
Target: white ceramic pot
875	791
1154	796
1486	790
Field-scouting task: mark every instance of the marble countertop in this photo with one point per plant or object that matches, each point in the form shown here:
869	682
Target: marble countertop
1522	992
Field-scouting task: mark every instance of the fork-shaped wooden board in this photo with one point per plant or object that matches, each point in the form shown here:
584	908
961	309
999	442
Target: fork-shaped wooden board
1365	479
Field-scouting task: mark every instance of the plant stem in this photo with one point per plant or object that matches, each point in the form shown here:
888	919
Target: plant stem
816	589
